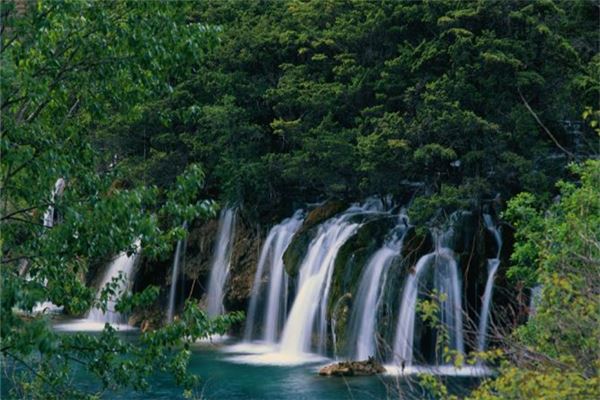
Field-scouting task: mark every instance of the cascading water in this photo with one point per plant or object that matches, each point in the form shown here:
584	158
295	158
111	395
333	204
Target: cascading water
369	295
308	313
59	187
271	255
177	261
48	221
492	268
122	267
447	282
221	262
405	330
534	299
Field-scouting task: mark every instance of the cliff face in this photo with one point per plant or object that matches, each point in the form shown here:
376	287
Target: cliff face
244	260
197	267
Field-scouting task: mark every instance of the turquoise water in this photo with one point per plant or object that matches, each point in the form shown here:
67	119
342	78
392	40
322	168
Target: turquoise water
224	378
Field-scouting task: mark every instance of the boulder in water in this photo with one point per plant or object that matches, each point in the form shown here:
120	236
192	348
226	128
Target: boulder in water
353	368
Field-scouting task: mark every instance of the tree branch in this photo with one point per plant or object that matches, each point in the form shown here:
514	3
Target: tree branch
535	116
23	210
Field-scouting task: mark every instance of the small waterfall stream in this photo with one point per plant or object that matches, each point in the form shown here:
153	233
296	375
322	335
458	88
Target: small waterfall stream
308	313
534	299
221	262
59	187
405	330
123	267
175	275
271	256
492	268
369	295
447	282
48	222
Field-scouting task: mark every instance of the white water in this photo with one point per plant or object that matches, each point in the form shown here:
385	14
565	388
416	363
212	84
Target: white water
48	221
439	370
59	187
534	299
405	328
492	268
221	262
308	313
177	261
122	267
271	255
447	282
369	296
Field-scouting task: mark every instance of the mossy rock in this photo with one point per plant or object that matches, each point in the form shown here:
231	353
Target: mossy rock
415	244
295	252
341	315
352	258
322	213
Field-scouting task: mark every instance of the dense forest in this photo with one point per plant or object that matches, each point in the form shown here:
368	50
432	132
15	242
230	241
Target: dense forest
123	123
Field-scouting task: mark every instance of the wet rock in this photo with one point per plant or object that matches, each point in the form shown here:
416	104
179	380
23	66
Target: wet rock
351	259
322	213
244	259
353	368
147	319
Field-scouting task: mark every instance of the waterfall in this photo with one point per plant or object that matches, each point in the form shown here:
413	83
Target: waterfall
271	256
122	267
369	295
48	221
447	282
59	187
177	260
405	329
308	313
534	299
492	267
221	262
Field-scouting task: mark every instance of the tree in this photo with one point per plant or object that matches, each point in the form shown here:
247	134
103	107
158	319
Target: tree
71	70
302	100
556	353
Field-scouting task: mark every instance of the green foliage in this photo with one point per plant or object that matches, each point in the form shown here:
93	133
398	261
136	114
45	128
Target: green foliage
351	98
72	71
114	362
558	351
542	383
148	108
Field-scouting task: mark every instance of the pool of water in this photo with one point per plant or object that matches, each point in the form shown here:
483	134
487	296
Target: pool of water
256	372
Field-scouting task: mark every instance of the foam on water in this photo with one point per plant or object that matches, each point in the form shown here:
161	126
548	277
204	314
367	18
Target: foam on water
278	359
472	371
86	325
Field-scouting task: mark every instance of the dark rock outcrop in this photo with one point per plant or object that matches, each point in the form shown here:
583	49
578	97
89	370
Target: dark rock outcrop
196	269
244	260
